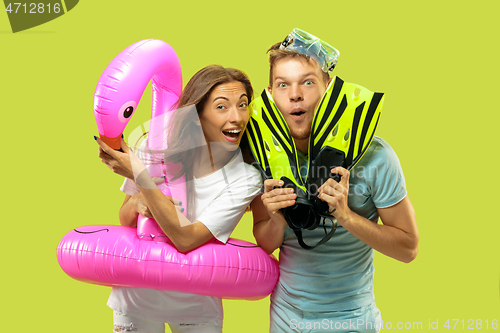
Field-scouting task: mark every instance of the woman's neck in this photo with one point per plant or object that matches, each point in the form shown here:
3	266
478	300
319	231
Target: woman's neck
211	158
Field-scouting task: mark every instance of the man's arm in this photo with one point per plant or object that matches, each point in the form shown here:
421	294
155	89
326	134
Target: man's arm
268	233
269	223
396	238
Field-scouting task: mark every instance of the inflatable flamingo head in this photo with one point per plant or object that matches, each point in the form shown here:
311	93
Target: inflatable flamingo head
124	80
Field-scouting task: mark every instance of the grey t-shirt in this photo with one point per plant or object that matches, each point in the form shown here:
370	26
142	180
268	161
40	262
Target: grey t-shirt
338	275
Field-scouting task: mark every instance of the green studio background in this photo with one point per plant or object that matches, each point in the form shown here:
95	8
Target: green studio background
436	62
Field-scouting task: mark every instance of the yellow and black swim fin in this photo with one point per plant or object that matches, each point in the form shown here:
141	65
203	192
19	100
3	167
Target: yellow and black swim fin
343	127
271	143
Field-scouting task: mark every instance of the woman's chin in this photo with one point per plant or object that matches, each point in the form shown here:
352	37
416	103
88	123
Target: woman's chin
226	145
231	146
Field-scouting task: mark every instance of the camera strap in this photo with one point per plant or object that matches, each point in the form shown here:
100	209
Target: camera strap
298	233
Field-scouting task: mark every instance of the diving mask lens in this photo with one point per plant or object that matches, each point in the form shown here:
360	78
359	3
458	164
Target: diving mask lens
303	42
310	39
304	35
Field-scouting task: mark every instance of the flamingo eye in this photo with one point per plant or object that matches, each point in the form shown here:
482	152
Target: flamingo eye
126	111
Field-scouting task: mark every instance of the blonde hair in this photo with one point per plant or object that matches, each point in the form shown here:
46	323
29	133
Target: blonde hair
275	54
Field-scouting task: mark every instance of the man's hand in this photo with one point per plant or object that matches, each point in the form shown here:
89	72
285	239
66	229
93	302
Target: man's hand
335	195
397	237
275	199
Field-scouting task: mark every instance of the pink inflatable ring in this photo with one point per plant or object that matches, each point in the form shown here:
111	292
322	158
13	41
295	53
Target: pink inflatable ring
143	257
114	255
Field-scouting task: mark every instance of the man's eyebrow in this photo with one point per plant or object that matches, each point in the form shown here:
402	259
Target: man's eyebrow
303	76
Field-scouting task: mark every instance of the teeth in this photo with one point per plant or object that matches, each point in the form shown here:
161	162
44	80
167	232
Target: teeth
233	131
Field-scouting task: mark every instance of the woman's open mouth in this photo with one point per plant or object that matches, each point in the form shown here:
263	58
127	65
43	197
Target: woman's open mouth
232	135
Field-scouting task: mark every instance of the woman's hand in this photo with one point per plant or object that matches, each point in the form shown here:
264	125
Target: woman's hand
117	161
140	205
125	164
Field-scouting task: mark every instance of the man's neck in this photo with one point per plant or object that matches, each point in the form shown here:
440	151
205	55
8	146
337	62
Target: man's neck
302	145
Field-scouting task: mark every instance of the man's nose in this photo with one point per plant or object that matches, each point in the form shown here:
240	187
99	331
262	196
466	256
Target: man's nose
296	94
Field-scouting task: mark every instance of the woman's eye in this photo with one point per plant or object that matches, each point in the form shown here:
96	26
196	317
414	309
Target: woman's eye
243	105
220	107
282	85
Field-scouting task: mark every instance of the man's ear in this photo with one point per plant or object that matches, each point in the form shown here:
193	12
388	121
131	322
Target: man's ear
269	89
330	80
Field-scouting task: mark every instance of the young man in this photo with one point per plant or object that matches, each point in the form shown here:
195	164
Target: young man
330	288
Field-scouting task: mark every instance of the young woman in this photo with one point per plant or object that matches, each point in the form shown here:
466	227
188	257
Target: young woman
219	188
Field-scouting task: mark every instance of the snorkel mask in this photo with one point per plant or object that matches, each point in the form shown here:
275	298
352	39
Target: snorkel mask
303	42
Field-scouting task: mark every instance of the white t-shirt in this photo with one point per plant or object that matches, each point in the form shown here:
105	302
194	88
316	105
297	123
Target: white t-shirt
221	199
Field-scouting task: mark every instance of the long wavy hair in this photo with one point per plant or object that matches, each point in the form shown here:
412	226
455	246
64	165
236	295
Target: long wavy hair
185	130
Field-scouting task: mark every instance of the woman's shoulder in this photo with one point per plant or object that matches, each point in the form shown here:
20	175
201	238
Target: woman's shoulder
253	172
238	170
